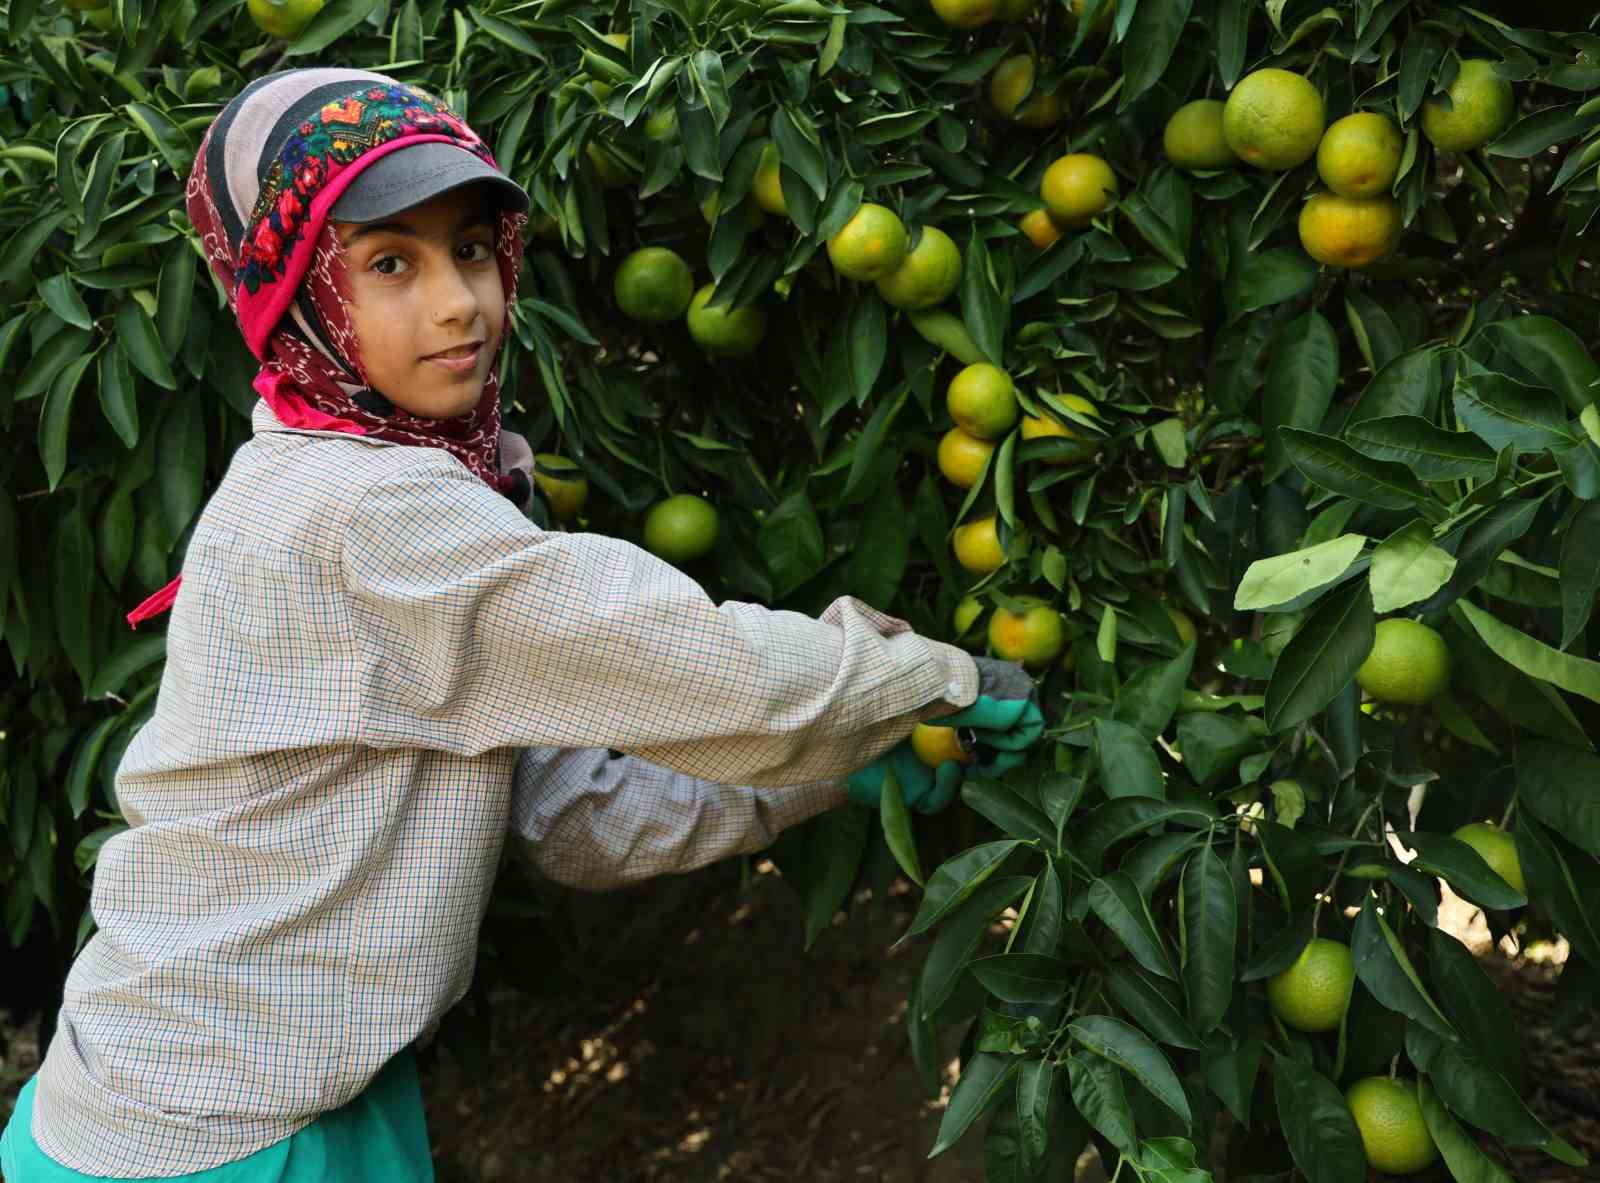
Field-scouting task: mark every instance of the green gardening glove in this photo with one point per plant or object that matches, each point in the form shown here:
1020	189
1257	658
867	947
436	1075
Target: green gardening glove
1005	719
927	790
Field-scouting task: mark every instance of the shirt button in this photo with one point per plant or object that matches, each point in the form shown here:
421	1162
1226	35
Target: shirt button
952	690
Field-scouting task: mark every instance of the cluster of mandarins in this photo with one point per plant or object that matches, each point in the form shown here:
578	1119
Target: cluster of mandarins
1274	120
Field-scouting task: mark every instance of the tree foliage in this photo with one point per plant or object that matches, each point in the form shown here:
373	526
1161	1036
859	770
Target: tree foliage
1284	452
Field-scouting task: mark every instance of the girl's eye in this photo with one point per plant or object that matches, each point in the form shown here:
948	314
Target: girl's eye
389	265
476	252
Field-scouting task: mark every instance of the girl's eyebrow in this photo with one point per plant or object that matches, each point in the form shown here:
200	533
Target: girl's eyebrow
471	221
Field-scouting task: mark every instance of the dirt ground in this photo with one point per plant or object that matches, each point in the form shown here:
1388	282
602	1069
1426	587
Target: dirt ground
696	1042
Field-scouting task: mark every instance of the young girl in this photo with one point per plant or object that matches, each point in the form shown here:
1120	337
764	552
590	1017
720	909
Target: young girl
367	639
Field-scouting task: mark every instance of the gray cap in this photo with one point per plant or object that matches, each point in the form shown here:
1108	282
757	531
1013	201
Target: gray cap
409	176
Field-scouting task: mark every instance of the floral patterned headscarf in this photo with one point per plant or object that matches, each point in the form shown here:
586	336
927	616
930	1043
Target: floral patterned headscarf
268	173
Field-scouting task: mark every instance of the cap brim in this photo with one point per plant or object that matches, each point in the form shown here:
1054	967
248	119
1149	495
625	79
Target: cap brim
410	176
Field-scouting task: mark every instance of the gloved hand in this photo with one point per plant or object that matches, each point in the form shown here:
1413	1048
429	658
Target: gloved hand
1004	721
924	789
1005	718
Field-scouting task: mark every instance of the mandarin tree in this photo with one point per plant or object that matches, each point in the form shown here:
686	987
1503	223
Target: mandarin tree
1230	470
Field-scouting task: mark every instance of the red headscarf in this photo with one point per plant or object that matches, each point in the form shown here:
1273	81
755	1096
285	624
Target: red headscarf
262	212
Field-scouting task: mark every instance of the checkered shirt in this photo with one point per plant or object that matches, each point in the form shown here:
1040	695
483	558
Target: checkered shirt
374	666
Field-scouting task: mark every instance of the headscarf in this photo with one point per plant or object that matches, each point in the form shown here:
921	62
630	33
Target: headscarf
269	170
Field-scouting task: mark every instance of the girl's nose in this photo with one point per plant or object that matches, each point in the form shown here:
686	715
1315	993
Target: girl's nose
452	298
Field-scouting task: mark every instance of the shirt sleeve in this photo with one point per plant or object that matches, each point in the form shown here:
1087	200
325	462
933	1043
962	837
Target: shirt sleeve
480	631
599	820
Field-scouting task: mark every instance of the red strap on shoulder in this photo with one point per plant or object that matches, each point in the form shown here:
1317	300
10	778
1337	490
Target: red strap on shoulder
157	604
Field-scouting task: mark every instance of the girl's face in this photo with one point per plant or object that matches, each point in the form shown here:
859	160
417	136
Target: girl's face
427	304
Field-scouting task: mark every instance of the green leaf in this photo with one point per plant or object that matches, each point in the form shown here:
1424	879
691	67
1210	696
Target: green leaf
1046	913
1339	468
791	542
1505	413
174	298
1099	1094
102	175
1419	56
1580	571
1156	859
1292	862
122	665
898	833
1035	1083
1408	385
798	150
1149	1006
1550	353
1562	789
957	879
1233	35
985	309
1207	925
62	298
959	937
115	537
1552	883
1431	452
169	139
1131	1050
85	761
1387	973
1464	869
1267	583
1273	276
1408	567
1150	697
1170	440
330	24
1533	134
74	588
1533	657
137	334
868	342
1128	764
1213	744
1461	1155
883	548
983	1078
55	420
1323	657
1480	544
1477	1008
1008	809
55	355
23	247
871	438
181	461
1148	46
1023	977
1116	900
1231	1073
824	858
1471	1089
1153	228
117	396
88	850
1108	824
1300	381
1318	1125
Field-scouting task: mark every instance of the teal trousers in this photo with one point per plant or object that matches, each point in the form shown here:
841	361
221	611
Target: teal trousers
380	1137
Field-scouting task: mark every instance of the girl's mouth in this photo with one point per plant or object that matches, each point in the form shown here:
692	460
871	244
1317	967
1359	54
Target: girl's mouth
460	359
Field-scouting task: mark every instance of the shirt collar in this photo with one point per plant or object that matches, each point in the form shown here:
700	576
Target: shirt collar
262	420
